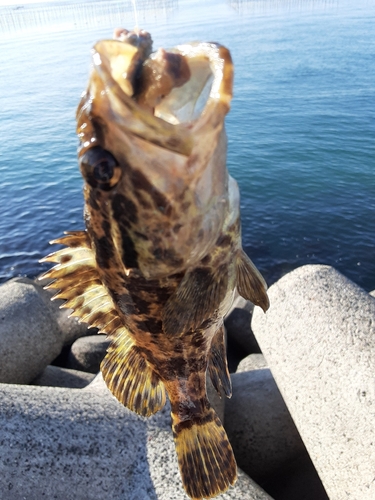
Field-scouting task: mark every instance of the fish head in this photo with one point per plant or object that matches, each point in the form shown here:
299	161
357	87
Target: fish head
153	153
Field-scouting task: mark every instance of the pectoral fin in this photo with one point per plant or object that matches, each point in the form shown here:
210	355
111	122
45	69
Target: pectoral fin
196	299
130	378
250	283
217	365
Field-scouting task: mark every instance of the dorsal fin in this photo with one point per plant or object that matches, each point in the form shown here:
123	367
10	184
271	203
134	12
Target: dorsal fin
77	279
129	377
196	299
125	371
217	364
73	239
250	283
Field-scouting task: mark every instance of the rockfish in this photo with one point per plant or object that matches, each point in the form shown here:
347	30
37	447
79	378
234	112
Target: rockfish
161	259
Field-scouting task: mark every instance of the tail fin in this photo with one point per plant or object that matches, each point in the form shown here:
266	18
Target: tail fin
205	456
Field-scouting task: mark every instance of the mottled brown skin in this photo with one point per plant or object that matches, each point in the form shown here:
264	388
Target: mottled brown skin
161	259
180	360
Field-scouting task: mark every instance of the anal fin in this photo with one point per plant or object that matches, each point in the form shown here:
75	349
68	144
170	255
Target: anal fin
250	283
217	364
129	377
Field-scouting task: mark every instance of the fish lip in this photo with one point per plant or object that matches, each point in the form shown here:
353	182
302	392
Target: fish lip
221	66
177	137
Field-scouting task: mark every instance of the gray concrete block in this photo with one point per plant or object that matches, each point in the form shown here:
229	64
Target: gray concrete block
163	462
239	302
252	362
297	480
259	426
319	340
54	376
29	336
87	353
81	444
68	444
70	327
97	385
237	323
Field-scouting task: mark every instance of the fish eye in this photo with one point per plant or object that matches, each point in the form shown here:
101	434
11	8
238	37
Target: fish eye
100	168
103	171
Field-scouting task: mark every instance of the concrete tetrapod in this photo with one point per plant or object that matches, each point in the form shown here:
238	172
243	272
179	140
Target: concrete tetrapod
81	444
319	340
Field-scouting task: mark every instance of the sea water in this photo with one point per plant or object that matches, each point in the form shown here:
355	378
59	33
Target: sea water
301	129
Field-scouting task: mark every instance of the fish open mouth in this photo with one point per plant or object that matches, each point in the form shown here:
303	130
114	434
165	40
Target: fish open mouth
167	95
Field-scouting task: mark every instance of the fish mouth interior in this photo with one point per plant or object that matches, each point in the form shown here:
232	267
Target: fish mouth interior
183	103
186	103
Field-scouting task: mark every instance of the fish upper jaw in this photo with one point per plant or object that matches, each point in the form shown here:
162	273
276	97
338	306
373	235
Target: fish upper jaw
196	105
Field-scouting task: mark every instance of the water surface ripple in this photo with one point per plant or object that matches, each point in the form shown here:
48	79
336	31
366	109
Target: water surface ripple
301	129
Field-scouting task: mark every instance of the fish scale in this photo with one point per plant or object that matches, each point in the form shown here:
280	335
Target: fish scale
161	259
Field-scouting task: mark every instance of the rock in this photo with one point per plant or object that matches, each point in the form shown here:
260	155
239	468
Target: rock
237	324
296	480
259	425
68	444
55	376
29	335
82	444
252	362
87	353
97	384
239	303
319	340
70	328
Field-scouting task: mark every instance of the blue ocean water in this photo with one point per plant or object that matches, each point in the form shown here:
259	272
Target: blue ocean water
301	129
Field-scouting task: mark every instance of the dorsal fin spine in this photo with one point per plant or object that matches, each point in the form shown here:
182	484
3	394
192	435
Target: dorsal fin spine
79	283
